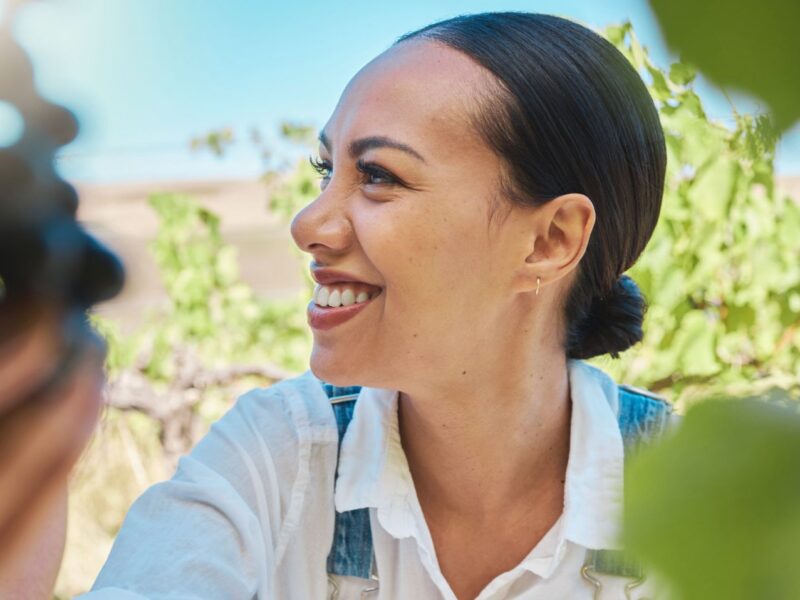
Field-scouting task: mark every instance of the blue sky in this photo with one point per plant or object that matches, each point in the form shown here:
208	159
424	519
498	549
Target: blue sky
145	76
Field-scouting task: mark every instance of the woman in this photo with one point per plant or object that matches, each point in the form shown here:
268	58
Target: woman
485	183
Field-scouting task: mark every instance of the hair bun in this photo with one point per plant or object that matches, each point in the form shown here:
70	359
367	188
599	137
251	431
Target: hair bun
612	324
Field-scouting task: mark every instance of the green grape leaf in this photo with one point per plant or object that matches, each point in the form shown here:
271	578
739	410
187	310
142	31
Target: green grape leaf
710	193
695	341
681	73
738	45
716	508
616	33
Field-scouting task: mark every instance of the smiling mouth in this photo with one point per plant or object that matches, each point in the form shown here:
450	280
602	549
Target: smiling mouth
333	313
344	294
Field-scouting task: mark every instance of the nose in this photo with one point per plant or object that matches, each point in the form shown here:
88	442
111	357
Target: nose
323	226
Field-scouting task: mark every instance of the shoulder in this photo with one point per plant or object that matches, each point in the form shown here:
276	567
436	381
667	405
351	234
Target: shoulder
264	443
221	525
640	413
275	423
639	404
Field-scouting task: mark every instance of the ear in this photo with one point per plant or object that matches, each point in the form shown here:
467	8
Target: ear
560	237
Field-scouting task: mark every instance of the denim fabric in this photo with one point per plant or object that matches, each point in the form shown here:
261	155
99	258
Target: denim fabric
642	417
351	550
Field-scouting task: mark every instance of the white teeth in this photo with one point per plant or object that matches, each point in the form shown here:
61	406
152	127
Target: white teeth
324	296
335	299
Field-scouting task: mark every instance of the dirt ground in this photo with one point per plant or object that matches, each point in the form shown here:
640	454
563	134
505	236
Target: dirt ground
120	216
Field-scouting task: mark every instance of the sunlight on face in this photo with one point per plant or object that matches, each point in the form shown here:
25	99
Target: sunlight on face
405	196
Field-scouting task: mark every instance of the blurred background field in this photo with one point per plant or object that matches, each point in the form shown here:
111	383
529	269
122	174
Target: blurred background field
120	215
197	201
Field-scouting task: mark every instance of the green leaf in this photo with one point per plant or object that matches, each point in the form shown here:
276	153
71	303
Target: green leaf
740	45
227	266
638	52
681	73
659	88
616	33
716	508
710	194
696	343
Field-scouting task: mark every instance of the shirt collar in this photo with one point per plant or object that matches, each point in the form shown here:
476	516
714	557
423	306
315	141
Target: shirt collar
373	471
594	482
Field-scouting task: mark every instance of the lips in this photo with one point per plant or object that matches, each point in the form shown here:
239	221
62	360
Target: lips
325	276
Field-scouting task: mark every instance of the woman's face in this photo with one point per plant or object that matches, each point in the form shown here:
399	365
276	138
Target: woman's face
405	202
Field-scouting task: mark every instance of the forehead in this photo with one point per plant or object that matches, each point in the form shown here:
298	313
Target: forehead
420	92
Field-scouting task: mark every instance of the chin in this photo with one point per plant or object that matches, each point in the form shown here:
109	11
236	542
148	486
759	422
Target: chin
336	368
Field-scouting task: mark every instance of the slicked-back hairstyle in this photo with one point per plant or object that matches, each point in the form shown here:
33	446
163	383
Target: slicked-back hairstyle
571	115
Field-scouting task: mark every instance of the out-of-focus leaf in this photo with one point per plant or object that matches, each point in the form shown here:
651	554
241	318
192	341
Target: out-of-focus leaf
227	266
716	508
616	33
741	44
711	192
295	191
300	133
681	73
695	340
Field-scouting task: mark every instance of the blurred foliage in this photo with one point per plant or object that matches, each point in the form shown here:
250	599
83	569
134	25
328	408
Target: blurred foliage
741	44
720	272
299	186
121	349
299	133
295	191
210	307
216	141
715	509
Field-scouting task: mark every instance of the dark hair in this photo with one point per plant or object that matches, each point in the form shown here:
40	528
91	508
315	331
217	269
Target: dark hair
573	116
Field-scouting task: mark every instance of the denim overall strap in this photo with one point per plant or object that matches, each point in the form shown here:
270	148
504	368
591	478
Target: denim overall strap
351	550
642	417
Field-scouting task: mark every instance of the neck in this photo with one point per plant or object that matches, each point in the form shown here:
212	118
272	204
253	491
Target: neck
497	441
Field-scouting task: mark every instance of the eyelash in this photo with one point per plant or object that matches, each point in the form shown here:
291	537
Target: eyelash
367	169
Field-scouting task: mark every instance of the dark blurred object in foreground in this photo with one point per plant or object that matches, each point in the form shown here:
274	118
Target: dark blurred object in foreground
51	362
44	253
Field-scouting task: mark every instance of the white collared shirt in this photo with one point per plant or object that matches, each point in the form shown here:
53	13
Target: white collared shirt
249	512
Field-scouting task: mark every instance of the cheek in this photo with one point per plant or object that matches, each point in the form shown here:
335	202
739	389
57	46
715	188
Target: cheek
429	258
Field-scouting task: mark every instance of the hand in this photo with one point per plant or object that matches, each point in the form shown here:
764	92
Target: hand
51	381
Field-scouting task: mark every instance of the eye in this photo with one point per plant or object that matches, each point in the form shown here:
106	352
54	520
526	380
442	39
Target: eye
375	174
323	167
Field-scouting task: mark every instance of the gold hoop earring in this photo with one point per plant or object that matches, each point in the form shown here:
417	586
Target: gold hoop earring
538	281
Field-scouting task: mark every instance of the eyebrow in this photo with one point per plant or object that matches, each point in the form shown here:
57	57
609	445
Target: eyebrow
361	145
